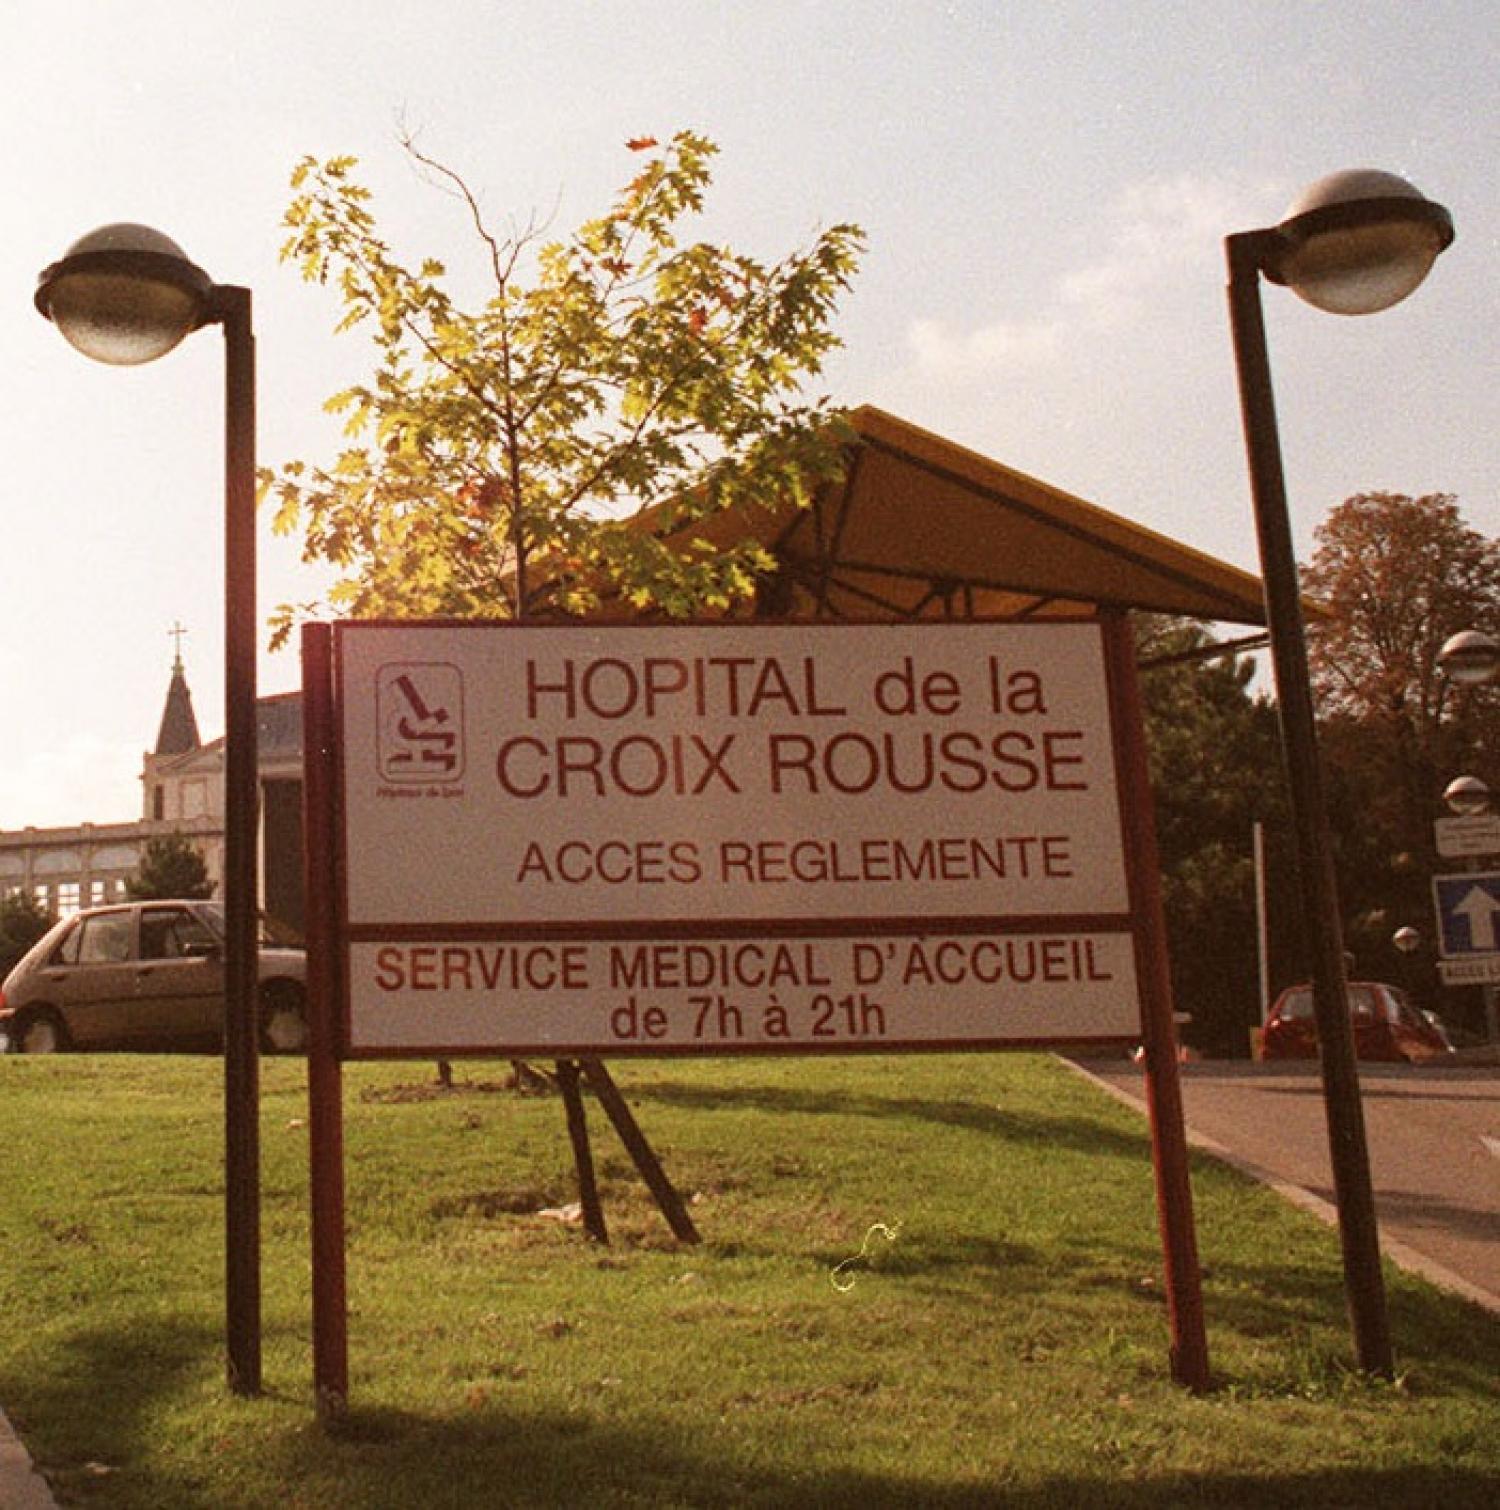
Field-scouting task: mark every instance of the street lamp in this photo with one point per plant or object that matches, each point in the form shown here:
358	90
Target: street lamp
1467	796
124	295
1354	243
1470	658
1406	941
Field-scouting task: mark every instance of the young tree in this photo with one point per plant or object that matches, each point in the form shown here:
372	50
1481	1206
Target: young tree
171	866
499	454
23	920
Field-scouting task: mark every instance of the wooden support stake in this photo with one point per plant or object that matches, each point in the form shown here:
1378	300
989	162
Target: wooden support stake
578	1132
640	1150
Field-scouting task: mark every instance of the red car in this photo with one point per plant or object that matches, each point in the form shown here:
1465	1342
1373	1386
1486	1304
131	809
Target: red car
1386	1026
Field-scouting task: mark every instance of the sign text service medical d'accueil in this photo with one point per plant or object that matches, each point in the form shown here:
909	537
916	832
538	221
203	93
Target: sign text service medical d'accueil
729	837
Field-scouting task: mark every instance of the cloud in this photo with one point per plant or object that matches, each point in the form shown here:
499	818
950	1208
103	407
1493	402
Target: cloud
1005	343
1155	230
1159	227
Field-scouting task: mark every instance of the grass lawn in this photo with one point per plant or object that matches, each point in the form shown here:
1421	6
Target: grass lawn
924	1281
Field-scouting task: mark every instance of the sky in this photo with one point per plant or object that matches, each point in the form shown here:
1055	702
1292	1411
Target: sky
1045	184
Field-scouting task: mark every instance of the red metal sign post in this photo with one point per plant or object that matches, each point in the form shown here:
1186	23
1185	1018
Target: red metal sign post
1169	1155
325	1090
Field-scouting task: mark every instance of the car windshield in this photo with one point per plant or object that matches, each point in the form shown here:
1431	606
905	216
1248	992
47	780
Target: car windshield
273	932
1298	1004
1364	1003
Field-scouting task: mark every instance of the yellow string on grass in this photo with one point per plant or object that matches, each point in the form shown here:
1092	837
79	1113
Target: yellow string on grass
842	1277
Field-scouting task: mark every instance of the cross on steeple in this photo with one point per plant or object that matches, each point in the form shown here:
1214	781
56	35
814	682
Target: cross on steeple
176	633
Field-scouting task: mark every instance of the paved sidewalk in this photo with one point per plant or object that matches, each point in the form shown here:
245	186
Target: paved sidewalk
21	1486
1434	1141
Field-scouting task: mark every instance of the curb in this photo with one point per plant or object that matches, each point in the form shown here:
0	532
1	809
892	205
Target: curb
21	1486
1401	1254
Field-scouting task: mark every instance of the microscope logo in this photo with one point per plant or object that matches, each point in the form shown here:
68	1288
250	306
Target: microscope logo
419	723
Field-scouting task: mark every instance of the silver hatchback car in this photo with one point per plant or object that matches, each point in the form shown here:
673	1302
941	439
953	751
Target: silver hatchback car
145	975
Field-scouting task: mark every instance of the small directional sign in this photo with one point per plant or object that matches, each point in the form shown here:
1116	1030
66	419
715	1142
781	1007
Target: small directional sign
1472	834
1475	970
1468	913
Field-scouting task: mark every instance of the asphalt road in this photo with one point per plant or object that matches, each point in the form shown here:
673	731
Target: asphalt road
1433	1136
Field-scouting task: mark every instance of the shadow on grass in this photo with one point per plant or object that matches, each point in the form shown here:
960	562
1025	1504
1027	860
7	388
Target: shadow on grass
111	1389
1461	1341
1440	1341
961	1267
493	1452
1043	1129
97	1401
497	1458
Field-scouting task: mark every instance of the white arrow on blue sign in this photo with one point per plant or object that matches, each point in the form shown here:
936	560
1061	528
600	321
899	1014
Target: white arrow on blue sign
1468	913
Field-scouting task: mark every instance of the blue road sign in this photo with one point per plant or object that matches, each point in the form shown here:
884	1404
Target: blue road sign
1468	913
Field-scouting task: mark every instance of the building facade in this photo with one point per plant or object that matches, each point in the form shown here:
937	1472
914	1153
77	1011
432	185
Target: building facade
182	792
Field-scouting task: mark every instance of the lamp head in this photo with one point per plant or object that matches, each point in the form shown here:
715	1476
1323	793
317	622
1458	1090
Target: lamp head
124	294
1467	796
1359	241
1470	658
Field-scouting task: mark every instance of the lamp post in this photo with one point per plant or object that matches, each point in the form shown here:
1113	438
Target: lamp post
1354	243
124	295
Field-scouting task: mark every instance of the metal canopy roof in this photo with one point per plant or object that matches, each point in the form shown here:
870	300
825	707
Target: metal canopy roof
922	528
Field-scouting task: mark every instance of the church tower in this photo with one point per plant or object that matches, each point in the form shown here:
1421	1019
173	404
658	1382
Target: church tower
181	778
179	725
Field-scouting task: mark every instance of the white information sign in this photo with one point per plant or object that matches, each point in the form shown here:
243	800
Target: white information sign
698	837
1468	835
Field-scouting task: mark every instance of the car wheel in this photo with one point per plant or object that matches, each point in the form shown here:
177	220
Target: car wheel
283	1019
40	1032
